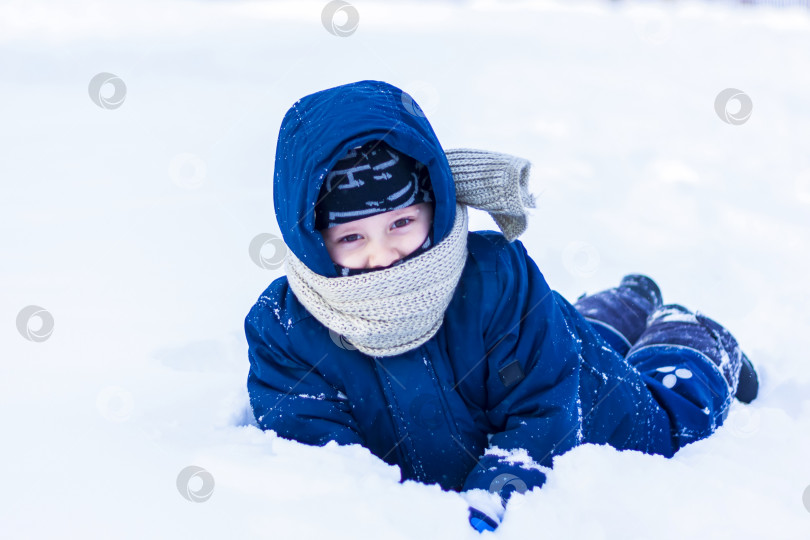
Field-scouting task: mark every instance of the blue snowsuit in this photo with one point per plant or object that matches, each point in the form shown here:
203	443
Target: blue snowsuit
513	366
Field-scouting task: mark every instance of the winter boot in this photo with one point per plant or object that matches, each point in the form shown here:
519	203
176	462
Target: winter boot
691	364
748	382
620	314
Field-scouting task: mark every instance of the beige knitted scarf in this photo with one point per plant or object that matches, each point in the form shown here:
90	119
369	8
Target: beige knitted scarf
396	309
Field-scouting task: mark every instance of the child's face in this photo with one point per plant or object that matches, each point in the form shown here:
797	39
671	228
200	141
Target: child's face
380	240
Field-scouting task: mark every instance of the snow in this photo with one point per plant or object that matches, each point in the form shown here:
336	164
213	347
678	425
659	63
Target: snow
131	227
515	457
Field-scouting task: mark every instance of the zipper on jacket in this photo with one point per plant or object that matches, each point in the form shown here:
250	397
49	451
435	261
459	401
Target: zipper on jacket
397	425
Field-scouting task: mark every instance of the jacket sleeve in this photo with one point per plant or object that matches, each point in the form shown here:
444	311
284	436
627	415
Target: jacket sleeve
532	379
287	393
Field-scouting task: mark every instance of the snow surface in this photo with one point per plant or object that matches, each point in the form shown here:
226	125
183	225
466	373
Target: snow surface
131	227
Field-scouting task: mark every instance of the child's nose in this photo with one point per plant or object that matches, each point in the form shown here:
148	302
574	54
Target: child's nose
382	257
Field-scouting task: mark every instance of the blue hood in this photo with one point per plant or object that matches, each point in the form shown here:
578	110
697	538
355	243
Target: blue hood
320	128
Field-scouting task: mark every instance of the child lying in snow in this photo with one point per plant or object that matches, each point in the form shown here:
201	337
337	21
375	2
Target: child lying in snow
443	350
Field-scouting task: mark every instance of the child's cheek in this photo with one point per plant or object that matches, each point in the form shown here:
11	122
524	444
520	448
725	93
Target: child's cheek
345	254
334	252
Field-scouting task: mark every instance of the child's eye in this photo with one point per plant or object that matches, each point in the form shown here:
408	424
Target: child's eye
346	239
409	220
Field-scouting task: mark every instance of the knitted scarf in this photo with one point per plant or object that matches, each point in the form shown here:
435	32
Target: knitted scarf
396	309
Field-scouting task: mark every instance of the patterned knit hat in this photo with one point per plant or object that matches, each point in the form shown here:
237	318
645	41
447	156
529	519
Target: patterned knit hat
369	180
